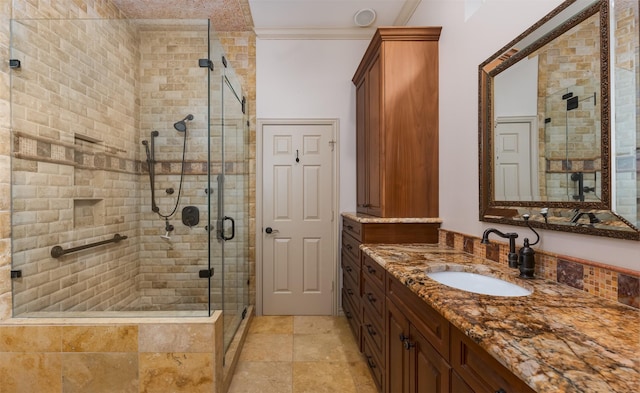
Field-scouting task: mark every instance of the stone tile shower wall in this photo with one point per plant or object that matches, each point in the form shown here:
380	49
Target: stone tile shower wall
627	110
76	169
172	86
570	64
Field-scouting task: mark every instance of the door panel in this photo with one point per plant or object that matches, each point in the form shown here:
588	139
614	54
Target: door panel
514	163
298	260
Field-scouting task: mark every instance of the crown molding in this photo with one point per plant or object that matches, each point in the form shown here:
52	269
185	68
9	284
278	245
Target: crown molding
355	33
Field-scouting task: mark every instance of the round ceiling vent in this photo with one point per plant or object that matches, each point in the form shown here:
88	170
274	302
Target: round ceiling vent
365	17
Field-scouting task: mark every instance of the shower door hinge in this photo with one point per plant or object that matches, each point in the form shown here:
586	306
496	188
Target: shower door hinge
244	313
244	105
14	63
205	63
16	273
205	273
224	61
332	143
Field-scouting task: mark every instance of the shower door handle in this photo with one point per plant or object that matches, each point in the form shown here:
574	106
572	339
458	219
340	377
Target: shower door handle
233	228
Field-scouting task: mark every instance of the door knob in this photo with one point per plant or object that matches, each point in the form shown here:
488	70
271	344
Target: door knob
270	230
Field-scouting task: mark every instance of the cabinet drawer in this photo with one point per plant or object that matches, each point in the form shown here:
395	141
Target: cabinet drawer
373	272
353	228
351	268
371	328
351	290
373	300
480	370
351	246
375	366
352	313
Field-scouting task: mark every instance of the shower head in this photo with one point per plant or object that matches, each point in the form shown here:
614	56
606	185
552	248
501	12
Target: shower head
182	125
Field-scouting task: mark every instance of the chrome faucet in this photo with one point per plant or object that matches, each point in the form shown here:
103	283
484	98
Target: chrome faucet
512	256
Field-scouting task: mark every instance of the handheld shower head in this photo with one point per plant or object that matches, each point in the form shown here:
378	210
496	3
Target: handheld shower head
181	125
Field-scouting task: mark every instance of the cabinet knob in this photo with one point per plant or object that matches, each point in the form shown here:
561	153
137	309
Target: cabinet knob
350	291
348	268
408	345
350	227
402	337
370	330
371	298
348	247
370	362
348	314
370	269
501	390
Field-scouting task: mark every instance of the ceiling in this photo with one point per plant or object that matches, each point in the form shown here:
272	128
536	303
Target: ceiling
278	18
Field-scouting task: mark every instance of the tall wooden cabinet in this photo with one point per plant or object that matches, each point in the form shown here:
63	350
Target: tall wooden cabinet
397	123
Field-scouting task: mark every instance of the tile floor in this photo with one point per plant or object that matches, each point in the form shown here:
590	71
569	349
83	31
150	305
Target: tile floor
301	354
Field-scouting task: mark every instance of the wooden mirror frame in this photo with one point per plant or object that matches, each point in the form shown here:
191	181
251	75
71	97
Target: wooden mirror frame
510	212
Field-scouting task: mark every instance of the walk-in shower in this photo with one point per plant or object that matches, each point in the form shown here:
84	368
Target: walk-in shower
572	148
131	157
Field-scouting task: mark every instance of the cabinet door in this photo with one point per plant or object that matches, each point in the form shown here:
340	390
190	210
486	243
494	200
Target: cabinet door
428	371
397	355
373	137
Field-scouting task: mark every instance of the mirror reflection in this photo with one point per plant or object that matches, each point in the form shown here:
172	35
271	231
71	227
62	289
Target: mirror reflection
546	123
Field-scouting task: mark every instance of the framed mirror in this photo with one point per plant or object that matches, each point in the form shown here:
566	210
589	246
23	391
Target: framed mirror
548	130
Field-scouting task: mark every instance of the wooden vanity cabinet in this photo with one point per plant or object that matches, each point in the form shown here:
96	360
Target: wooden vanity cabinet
413	362
364	283
479	370
373	313
425	353
397	123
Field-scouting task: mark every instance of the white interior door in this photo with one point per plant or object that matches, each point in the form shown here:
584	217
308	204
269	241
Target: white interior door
514	159
298	260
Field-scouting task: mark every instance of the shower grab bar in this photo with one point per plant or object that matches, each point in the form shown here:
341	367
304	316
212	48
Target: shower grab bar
57	251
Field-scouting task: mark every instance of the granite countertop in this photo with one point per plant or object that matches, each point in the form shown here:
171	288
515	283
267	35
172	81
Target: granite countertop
556	339
366	219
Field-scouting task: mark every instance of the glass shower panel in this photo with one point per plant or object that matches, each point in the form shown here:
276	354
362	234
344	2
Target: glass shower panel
235	204
555	184
572	145
103	113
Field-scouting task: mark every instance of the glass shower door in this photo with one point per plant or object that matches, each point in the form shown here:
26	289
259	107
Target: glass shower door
229	196
233	223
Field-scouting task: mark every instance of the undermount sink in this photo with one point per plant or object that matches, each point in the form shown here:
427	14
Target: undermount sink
479	283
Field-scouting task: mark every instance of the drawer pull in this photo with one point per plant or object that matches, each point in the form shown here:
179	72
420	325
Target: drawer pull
371	330
348	269
348	247
348	314
371	270
371	298
403	338
370	362
350	227
350	291
501	390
